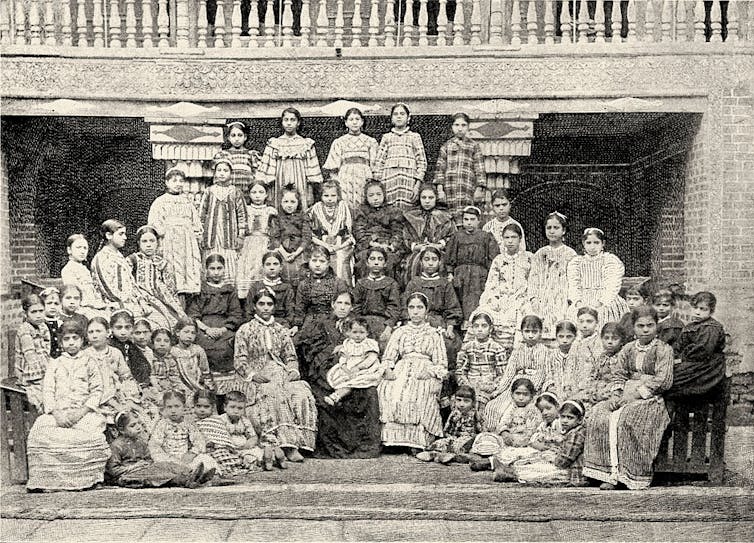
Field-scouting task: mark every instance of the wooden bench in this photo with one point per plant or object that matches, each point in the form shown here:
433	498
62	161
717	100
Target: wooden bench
694	442
17	418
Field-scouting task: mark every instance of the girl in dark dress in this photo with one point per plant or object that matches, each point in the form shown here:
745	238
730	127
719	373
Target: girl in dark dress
291	235
377	297
285	294
350	428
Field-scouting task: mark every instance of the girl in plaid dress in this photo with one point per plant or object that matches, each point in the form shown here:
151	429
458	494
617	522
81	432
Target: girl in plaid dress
32	349
245	161
481	360
401	162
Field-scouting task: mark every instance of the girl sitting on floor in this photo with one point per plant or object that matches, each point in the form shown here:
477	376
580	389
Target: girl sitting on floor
460	429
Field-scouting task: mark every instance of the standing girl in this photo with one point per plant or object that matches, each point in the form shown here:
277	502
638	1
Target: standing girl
222	213
501	206
291	235
427	227
468	257
351	158
154	276
256	241
624	433
32	349
290	159
190	359
176	222
332	228
112	275
51	299
594	279
585	351
505	292
548	280
459	174
401	162
565	335
66	447
244	161
76	273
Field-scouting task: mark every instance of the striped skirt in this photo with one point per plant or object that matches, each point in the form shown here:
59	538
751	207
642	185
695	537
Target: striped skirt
67	458
409	407
621	445
399	187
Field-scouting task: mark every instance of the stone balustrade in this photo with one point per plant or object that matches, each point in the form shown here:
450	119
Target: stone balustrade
185	24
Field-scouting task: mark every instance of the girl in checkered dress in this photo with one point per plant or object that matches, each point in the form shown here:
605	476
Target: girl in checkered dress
32	349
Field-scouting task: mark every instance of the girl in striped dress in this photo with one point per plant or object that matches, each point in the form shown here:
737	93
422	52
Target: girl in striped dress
401	162
259	216
222	213
410	390
245	161
584	354
529	359
176	222
548	280
332	228
624	433
76	273
32	349
351	159
594	279
290	159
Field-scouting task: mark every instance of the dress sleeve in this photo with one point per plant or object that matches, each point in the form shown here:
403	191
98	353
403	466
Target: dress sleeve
439	367
570	450
479	173
663	377
49	385
241	353
452	312
393	305
334	159
613	278
379	163
156	216
128	385
574	279
450	254
203	216
492	248
288	355
462	363
392	350
206	374
30	365
313	172
621	368
96	385
198	442
300	305
420	156
234	317
442	164
243	229
360	230
267	165
156	442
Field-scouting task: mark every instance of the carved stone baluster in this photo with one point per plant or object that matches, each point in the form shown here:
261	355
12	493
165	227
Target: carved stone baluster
269	25
549	23
614	26
235	24
254	23
681	28
182	23
374	23
458	24
390	24
599	22
323	24
113	24
408	26
35	31
476	23
81	34
582	23
631	37
287	18
666	17
496	22
442	24
750	21
20	23
423	22
49	26
130	24
565	22
201	25
5	38
339	24
649	22
531	23
699	27
356	23
147	24
220	25
516	23
66	34
716	22
98	25
732	36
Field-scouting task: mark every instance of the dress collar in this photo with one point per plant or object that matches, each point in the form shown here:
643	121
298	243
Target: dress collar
271	283
268	322
400	132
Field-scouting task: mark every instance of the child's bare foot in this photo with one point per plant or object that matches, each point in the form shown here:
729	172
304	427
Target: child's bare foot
426	456
331	400
196	474
445	458
268	459
293	455
280	458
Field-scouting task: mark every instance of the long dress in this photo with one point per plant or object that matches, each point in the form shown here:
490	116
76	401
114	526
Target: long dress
580	364
291	231
351	428
548	286
505	295
177	223
596	280
621	445
32	355
460	171
217	306
112	274
701	369
433	227
290	160
350	160
401	162
222	213
256	243
468	256
383	224
409	407
69	458
131	465
335	227
284	407
495	227
92	304
153	275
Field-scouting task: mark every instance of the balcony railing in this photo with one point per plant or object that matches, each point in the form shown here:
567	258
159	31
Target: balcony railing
367	23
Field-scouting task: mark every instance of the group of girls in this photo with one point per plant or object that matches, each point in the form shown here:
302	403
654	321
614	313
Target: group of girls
369	318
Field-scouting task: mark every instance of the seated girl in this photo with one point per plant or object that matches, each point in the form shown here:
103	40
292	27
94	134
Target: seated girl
565	335
584	354
142	338
122	325
76	273
359	365
515	428
131	465
190	359
460	429
669	328
377	297
165	375
565	467
291	235
70	304
175	439
594	387
481	360
32	349
66	447
272	264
